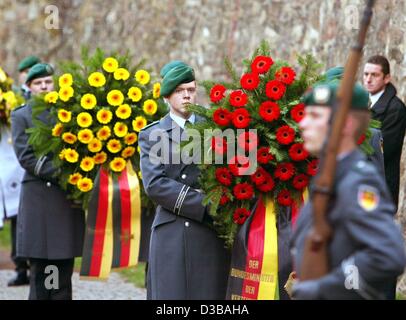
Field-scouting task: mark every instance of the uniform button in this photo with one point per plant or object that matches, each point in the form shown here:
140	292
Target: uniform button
184	176
187	224
48	184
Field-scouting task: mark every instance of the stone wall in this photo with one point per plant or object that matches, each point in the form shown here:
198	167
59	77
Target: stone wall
202	32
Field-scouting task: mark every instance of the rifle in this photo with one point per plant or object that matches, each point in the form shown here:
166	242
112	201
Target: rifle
315	262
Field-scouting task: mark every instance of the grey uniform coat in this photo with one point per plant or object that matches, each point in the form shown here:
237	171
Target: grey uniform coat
187	260
48	226
376	143
364	240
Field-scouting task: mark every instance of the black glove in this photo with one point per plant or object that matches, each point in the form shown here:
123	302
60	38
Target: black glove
306	290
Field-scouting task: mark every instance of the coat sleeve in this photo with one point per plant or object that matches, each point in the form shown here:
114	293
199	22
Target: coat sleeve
176	197
377	156
380	256
42	167
393	129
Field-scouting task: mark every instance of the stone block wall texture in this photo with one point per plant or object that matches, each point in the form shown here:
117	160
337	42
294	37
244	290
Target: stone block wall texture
202	32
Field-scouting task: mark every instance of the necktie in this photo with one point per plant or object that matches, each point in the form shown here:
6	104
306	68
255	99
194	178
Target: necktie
369	103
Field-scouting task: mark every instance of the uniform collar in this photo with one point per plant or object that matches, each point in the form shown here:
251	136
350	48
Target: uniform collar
181	121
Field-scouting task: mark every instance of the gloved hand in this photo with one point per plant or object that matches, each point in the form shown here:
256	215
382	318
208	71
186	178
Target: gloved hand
306	290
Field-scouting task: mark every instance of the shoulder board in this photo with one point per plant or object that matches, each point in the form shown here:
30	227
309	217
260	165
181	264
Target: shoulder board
19	107
150	125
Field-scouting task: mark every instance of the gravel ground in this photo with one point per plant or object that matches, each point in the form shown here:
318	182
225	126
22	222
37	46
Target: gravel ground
115	288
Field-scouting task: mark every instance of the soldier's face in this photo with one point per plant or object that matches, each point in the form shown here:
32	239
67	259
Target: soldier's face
183	95
41	85
314	128
374	79
22	76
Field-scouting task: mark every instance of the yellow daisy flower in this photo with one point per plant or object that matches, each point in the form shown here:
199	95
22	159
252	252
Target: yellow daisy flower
71	155
100	158
110	64
85	136
84	119
121	74
123	111
85	184
135	94
97	79
65	80
74	178
150	107
57	130
65	93
51	97
142	77
139	123
120	129
104	116
156	90
115	98
114	145
87	164
128	152
103	133
10	98
88	101
130	138
64	115
95	145
69	137
62	154
117	164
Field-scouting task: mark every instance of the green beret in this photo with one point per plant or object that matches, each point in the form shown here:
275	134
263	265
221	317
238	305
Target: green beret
324	94
175	73
28	62
39	70
334	73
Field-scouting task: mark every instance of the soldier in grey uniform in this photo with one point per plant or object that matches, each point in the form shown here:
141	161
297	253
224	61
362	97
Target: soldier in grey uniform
50	231
187	260
366	252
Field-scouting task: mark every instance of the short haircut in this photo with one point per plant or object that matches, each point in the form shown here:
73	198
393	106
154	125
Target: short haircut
382	61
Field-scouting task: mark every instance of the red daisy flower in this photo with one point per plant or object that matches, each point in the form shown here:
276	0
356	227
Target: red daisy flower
238	99
285	135
241	118
312	167
239	165
248	141
361	139
259	176
243	191
297	113
275	89
267	186
223	175
217	93
285	75
224	199
261	64
269	111
249	81
284	198
297	152
263	155
219	145
284	171
240	215
221	117
300	181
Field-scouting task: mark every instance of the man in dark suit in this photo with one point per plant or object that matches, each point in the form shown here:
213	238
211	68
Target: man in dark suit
49	231
366	253
391	112
187	260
